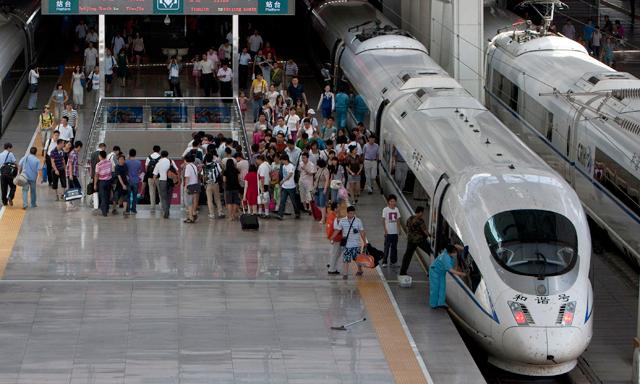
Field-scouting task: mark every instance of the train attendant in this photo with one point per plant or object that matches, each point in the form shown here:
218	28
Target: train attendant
341	106
445	262
327	102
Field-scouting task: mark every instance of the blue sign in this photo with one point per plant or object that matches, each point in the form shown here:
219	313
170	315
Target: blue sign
273	7
167	6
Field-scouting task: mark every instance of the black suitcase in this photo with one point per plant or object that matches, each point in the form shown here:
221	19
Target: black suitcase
249	222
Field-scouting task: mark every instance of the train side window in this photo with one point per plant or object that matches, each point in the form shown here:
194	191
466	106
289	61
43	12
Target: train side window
549	126
620	182
10	81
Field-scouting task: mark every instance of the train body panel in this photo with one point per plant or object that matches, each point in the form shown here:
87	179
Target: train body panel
578	114
525	232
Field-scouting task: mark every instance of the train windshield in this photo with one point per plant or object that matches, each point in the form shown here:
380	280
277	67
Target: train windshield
532	242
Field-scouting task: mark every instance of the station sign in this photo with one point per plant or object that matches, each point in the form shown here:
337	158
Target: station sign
168	7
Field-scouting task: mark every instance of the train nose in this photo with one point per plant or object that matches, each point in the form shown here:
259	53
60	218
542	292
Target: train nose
541	345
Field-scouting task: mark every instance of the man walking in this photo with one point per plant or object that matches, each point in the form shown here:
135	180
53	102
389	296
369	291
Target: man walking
102	182
288	187
370	163
160	173
8	171
390	217
29	165
134	168
149	166
58	168
418	237
73	170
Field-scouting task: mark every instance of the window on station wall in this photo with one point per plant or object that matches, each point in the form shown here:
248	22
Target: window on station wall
12	78
620	182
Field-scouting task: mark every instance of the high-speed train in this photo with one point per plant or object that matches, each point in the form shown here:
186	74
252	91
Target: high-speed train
527	298
18	26
578	114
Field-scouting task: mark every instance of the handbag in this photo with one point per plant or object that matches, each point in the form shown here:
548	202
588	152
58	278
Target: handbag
90	83
89	189
20	180
193	188
365	260
343	241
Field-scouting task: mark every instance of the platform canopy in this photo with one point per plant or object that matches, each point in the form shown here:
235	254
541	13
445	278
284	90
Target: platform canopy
168	7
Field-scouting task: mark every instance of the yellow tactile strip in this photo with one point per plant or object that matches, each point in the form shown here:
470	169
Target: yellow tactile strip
393	340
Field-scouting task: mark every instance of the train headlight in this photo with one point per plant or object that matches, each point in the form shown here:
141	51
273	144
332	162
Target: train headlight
565	314
520	314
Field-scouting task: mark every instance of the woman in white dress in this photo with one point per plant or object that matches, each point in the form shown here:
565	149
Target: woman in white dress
77	87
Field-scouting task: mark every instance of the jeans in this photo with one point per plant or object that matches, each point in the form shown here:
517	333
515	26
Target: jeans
256	108
165	197
291	193
30	186
411	249
132	197
370	174
390	248
153	192
213	194
8	189
104	189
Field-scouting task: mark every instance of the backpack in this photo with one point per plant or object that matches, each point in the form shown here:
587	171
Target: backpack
8	168
151	165
173	178
212	173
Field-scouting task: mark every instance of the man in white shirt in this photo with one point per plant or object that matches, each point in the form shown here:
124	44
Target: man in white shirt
92	37
160	173
281	128
293	152
66	131
207	75
81	34
390	217
225	76
264	181
243	167
109	66
255	43
174	77
149	167
287	187
117	43
34	78
90	59
307	171
293	122
243	68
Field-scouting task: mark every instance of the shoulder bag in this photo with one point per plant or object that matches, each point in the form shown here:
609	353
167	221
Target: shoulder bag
343	242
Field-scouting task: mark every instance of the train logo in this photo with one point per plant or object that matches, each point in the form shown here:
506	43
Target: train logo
167	6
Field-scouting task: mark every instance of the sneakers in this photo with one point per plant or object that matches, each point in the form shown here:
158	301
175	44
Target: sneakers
212	216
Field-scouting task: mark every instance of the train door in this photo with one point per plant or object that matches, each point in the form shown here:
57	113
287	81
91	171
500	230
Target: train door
378	127
336	55
437	227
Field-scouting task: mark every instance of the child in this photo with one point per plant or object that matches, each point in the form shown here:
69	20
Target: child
390	216
242	100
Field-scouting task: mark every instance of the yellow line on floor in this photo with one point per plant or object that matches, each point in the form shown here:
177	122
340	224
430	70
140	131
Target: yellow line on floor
10	223
395	345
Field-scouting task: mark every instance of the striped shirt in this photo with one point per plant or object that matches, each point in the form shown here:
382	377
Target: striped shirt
103	170
72	116
57	158
72	164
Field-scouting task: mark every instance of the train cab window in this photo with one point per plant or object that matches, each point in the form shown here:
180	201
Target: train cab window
12	78
532	242
617	180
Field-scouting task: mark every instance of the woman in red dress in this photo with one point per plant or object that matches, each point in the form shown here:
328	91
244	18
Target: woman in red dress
251	189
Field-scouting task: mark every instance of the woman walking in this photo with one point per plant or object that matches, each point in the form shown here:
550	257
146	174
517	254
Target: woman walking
321	182
77	78
123	63
251	189
231	188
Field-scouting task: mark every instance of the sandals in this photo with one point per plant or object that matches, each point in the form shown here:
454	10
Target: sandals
188	221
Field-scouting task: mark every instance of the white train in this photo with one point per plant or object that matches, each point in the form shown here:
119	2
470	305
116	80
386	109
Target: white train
528	299
18	52
578	114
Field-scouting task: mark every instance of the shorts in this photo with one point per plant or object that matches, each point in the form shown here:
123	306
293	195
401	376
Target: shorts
232	197
354	179
321	198
138	53
350	254
188	199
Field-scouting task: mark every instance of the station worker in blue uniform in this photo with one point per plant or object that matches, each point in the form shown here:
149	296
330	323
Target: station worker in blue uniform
445	262
341	106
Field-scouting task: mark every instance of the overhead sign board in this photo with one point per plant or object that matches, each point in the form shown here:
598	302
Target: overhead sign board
168	7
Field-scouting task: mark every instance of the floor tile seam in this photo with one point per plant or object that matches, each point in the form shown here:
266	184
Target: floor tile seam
76	344
318	306
26	343
128	334
275	320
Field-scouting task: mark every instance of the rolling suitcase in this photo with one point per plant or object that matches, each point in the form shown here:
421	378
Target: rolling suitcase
73	194
315	211
247	221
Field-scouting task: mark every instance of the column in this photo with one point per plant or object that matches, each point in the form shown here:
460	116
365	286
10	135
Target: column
235	19
102	26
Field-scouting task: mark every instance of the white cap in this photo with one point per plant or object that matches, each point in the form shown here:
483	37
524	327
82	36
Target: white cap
311	111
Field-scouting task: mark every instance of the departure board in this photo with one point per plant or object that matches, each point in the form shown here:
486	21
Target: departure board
168	7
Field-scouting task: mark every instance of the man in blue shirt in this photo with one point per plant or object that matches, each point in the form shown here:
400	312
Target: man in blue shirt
30	166
7	173
135	169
